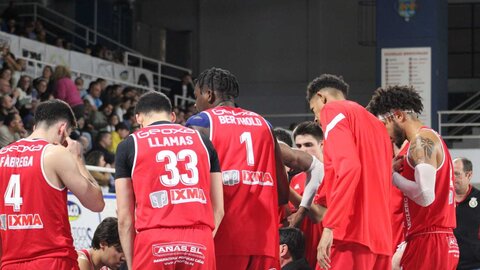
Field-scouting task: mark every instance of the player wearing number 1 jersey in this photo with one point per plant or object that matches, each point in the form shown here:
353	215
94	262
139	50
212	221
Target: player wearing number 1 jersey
169	192
34	228
252	173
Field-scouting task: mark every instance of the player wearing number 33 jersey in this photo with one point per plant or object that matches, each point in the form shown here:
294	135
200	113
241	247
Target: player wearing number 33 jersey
251	171
173	184
34	228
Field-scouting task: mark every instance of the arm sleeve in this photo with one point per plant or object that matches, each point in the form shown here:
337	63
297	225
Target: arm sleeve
314	178
200	120
124	158
341	149
422	190
214	162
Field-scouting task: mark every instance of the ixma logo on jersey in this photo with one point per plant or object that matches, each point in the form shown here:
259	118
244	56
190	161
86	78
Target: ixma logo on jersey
179	252
160	198
233	177
20	222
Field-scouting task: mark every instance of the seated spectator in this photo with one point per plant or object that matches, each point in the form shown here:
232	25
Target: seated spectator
93	97
65	89
112	94
292	250
99	118
97	158
6	73
102	143
81	89
12	129
40	85
112	122
82	135
7	60
106	248
25	93
6	107
42	36
5	88
121	109
29	31
12	27
47	73
129	118
121	132
59	42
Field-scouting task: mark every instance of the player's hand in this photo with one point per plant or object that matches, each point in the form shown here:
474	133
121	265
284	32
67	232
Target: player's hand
73	146
295	219
397	165
324	249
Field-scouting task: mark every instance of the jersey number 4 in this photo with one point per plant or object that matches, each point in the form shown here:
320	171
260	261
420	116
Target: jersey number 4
171	167
12	194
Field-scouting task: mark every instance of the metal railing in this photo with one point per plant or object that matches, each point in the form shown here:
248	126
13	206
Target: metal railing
450	121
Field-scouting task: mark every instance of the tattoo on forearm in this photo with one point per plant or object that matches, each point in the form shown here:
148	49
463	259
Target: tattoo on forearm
421	150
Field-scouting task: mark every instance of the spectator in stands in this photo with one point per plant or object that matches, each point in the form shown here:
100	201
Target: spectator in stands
81	89
82	135
38	27
88	51
7	59
93	97
112	122
29	31
42	36
97	158
12	27
6	107
25	91
59	42
99	118
47	73
292	249
64	89
121	132
184	89
129	92
121	109
112	94
129	118
12	129
102	143
40	85
5	88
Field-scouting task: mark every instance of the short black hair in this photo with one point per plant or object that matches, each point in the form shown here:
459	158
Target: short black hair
153	102
101	134
219	80
283	135
327	81
107	231
467	164
397	97
92	84
308	128
293	238
9	118
120	126
51	112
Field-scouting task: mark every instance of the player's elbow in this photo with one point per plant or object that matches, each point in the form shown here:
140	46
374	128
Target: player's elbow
98	206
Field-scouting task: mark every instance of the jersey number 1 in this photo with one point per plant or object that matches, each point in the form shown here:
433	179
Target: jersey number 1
246	137
12	194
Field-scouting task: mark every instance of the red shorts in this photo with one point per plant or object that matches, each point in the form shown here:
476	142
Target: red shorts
437	251
348	255
174	248
45	263
234	262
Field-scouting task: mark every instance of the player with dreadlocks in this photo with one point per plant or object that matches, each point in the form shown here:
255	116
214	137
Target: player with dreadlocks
254	178
425	176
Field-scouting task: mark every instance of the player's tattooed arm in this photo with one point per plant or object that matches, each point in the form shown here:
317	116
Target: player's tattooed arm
423	149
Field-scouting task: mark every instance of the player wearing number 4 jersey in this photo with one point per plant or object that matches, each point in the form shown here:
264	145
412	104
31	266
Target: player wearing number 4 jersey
169	192
34	228
252	173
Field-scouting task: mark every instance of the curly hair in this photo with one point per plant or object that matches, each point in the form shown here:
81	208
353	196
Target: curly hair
219	80
395	98
327	81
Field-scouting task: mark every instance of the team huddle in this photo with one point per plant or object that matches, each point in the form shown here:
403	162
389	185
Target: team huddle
213	194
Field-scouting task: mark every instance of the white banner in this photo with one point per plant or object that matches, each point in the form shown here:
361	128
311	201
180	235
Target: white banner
102	68
123	73
57	56
12	41
143	77
32	49
84	222
81	62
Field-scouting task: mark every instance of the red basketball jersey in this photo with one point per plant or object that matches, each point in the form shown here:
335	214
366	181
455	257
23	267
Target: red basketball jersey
441	213
397	210
171	178
34	218
246	150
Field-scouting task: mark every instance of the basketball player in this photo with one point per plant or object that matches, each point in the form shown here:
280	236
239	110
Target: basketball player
169	192
357	153
425	176
36	173
253	174
106	252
